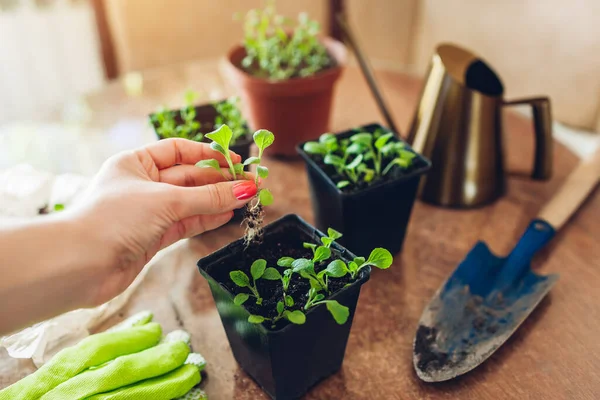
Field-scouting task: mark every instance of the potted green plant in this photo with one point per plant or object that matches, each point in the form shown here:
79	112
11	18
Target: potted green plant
363	182
193	122
285	74
287	303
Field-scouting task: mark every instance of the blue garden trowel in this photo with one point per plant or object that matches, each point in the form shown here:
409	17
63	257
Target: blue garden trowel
487	297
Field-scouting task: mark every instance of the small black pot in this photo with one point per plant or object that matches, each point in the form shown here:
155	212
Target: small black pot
286	361
206	114
376	216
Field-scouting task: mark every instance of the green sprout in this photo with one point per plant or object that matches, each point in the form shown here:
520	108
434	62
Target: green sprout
167	126
221	139
275	49
319	290
365	156
257	270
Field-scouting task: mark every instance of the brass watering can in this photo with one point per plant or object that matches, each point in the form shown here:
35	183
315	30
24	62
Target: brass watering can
458	126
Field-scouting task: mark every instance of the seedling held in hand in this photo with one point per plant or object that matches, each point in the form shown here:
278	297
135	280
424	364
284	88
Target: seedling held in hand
263	138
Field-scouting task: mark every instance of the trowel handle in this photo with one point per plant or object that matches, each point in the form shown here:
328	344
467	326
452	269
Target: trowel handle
573	192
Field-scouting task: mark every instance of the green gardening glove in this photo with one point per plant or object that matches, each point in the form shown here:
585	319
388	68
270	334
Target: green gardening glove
127	362
92	351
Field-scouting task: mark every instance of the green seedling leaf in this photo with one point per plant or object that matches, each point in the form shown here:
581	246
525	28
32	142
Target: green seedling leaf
342	184
311	246
363	138
380	258
271	274
388	148
322	253
315	284
369	174
331	159
240	278
222	136
238	168
289	301
336	269
212	163
59	207
217	147
332	233
319	297
241	298
295	317
258	268
355	148
285	261
360	260
406	155
301	264
382	140
356	162
280	307
339	312
262	171
256	319
352	266
327	138
252	160
315	148
265	197
263	139
326	241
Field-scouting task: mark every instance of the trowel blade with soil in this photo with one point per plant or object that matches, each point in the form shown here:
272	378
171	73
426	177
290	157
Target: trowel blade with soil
482	303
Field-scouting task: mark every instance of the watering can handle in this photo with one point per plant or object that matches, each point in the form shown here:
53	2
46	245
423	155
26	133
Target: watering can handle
573	192
542	123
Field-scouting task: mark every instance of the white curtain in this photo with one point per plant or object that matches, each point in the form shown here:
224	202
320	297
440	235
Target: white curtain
48	56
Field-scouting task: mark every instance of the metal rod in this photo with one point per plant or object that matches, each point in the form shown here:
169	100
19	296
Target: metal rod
367	72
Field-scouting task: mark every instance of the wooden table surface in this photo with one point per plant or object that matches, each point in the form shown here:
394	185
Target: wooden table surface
554	355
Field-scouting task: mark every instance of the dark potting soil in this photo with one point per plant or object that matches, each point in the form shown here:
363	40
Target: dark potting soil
285	243
396	172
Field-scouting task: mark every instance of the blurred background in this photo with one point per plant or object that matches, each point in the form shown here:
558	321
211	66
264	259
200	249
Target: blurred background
68	67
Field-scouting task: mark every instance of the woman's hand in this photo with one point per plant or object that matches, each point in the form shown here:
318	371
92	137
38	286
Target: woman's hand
144	200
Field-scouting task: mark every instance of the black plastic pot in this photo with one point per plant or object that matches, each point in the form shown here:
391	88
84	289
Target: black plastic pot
206	114
376	216
287	361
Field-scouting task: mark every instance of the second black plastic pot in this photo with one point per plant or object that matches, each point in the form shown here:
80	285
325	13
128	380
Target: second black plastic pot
285	362
376	216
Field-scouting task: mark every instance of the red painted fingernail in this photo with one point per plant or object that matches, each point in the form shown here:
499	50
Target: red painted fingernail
244	190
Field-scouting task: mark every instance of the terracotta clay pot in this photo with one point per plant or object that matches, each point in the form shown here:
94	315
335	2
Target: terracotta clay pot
295	110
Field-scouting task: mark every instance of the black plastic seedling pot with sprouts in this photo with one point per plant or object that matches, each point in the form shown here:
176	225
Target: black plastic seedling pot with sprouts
205	115
288	359
371	216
